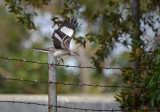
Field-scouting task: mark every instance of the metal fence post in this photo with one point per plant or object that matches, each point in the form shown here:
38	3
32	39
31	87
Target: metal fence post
52	88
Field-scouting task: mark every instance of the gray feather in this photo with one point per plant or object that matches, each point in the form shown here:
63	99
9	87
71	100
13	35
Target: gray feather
42	50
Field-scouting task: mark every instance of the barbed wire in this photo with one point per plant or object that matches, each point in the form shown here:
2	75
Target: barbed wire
68	84
73	108
22	60
74	66
71	84
57	106
61	83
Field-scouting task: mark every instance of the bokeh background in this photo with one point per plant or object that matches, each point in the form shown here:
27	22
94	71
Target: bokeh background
101	39
18	42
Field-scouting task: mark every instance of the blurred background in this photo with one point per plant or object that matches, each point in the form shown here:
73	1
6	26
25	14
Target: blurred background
17	42
97	24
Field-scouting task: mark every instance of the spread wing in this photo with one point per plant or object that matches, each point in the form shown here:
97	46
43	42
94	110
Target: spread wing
63	35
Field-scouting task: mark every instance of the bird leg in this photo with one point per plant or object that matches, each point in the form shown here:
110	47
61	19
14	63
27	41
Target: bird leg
57	62
53	64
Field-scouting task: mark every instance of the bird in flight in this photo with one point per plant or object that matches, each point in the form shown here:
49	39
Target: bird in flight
61	39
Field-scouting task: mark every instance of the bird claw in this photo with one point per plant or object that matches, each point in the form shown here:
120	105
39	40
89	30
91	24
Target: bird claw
57	62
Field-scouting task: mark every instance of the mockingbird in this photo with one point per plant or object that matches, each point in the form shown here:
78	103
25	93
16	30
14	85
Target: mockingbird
61	39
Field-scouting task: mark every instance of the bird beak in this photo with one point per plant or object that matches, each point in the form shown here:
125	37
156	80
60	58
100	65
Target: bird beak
76	54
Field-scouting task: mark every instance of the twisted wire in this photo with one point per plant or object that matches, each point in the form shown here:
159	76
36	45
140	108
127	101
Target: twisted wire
74	66
57	106
72	108
60	83
72	84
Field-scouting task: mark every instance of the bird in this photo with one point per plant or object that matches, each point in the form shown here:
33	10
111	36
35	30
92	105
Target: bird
62	37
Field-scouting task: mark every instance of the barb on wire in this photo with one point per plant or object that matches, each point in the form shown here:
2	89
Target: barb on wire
74	66
71	84
72	108
32	103
60	83
22	60
57	106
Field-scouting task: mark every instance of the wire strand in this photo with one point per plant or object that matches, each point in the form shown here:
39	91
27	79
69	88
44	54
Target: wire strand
68	84
72	84
72	108
61	83
74	66
57	106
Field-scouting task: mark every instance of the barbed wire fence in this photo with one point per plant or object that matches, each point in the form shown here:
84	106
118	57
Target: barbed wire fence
3	78
73	66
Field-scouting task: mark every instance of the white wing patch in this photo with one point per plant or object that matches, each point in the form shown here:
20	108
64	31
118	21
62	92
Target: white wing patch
62	43
67	31
57	36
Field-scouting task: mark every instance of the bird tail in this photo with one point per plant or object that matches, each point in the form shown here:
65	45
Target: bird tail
42	50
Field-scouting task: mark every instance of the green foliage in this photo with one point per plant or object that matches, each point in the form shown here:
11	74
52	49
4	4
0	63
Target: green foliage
111	25
14	36
101	12
108	23
25	10
145	93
